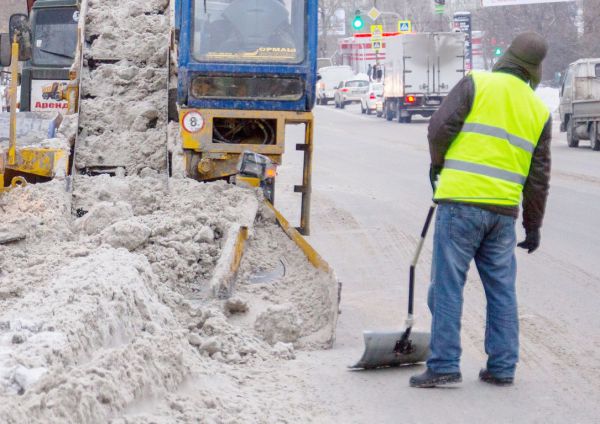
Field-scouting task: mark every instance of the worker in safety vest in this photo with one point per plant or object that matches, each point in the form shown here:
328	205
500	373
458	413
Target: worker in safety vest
490	147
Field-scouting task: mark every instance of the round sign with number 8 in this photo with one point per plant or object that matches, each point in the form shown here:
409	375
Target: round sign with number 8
193	122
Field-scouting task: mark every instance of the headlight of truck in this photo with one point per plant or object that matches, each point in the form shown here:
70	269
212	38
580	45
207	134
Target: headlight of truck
247	87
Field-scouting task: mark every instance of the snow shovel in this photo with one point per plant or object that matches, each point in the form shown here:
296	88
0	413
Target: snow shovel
395	348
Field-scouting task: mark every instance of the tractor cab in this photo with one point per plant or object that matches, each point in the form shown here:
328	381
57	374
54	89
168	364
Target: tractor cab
47	45
53	44
246	69
248	54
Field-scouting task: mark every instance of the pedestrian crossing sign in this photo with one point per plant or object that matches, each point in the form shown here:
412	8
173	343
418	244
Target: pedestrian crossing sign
377	31
404	27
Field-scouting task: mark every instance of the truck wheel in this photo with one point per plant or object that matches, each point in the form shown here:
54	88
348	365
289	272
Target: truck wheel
594	136
572	139
324	101
389	115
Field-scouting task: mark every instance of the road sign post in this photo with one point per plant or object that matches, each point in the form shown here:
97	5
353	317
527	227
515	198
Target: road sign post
377	31
462	22
376	37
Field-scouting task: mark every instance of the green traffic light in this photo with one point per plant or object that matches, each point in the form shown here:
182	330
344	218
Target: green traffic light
498	51
358	22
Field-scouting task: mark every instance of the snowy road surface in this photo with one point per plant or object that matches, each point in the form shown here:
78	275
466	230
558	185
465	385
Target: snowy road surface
370	197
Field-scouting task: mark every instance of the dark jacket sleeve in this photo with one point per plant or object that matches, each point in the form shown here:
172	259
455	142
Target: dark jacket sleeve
536	187
447	121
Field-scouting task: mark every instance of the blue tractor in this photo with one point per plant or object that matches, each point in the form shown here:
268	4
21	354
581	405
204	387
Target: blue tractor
245	70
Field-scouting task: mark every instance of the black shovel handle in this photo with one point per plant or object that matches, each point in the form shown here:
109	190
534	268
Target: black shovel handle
413	265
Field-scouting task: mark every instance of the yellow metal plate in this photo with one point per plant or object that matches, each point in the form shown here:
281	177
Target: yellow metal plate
40	161
202	140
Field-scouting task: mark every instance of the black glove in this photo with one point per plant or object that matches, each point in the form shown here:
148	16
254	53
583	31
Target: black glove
434	172
531	242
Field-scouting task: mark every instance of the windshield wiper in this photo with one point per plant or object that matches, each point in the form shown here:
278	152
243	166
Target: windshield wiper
57	54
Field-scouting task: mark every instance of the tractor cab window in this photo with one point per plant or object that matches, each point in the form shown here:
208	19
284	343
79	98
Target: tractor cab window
256	31
54	38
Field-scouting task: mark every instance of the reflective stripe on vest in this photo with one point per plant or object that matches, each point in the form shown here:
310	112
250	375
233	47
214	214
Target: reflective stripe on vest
489	171
499	133
489	160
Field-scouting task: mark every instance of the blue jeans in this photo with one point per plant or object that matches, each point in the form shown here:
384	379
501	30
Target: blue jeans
463	233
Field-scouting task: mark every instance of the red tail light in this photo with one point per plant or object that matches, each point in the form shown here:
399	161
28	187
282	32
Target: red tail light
344	90
372	96
410	99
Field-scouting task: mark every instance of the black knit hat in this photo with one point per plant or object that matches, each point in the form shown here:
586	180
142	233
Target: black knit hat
527	51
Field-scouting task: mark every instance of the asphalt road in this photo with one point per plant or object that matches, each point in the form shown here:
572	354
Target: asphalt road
370	197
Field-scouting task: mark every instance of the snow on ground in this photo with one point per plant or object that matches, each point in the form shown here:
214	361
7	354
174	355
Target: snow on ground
105	315
107	307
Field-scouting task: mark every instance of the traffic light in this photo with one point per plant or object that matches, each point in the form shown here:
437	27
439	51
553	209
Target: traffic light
357	22
440	5
498	51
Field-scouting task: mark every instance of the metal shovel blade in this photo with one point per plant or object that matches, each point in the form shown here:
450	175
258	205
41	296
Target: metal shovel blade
379	350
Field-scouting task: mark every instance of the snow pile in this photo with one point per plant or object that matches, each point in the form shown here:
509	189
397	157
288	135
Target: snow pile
106	309
42	212
132	30
298	305
180	233
124	86
104	301
105	316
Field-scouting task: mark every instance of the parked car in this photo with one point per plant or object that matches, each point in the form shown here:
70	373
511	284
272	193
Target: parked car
331	76
368	101
350	91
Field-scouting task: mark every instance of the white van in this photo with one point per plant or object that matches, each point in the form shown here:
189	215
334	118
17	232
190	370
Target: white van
331	76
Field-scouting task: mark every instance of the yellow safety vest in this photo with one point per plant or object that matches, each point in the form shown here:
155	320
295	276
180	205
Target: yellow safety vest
488	162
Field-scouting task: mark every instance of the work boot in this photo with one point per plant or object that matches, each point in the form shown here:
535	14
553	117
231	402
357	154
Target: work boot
434	379
488	377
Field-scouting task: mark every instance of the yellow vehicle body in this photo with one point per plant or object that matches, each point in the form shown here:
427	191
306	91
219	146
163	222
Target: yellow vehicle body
21	164
207	159
56	91
32	164
210	160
